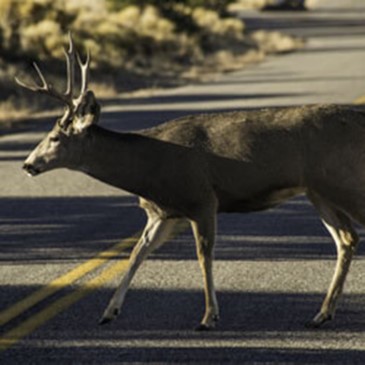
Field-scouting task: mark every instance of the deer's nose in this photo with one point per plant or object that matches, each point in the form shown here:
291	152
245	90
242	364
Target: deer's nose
30	169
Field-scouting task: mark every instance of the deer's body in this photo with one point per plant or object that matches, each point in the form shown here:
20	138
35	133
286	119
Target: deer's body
196	166
180	164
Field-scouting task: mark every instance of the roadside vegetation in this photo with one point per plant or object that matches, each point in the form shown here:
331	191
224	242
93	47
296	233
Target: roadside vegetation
134	43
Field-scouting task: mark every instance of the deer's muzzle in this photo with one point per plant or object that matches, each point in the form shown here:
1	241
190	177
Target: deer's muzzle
30	169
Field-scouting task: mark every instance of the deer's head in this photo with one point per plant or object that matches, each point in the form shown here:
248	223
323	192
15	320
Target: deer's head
62	146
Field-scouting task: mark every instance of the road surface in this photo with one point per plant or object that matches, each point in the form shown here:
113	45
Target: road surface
61	254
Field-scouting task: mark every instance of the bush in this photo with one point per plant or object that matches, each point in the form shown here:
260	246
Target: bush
217	5
128	39
120	33
179	11
24	21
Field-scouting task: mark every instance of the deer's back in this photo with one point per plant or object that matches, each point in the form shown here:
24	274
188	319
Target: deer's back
238	134
258	158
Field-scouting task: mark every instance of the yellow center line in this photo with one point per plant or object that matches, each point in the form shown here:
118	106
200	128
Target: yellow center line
28	326
360	100
61	282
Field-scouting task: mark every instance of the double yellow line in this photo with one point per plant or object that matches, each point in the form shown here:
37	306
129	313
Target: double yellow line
14	335
29	325
360	100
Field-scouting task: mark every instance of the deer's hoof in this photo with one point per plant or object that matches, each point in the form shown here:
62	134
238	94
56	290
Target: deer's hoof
318	320
207	327
203	327
108	318
104	321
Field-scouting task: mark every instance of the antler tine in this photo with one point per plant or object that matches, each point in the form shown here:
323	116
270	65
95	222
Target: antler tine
38	88
70	63
26	86
45	87
84	67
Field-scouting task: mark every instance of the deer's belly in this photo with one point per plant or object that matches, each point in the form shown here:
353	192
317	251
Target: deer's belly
259	201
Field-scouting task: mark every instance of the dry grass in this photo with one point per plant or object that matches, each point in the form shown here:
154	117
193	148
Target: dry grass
11	112
104	90
240	5
276	42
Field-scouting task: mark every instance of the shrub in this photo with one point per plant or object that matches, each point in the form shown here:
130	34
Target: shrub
120	33
217	5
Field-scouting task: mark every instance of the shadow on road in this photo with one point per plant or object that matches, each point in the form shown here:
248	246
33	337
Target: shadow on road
63	229
199	98
198	355
292	231
49	230
156	326
324	22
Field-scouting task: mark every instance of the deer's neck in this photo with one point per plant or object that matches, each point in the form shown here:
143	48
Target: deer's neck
118	159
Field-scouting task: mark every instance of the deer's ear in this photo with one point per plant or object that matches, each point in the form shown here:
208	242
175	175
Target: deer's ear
88	112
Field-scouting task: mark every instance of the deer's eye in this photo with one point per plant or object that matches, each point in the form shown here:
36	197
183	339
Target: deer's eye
54	139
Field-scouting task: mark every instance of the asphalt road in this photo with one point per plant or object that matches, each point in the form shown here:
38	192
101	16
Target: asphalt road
272	268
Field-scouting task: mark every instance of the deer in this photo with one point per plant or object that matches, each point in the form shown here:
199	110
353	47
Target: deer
192	168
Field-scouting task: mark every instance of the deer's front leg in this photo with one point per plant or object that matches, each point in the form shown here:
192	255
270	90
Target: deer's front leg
204	233
156	232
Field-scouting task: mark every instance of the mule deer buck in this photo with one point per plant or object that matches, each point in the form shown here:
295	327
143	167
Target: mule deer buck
197	166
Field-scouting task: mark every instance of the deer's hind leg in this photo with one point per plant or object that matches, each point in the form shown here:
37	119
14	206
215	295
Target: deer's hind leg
340	227
204	228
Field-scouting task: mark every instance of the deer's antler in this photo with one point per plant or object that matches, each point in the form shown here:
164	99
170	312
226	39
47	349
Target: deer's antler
84	67
70	65
47	88
68	96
